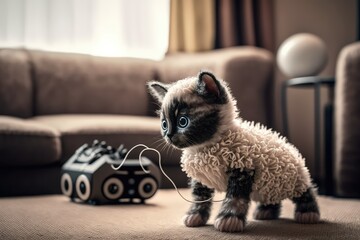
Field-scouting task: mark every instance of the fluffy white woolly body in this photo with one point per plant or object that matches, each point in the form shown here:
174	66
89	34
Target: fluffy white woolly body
280	170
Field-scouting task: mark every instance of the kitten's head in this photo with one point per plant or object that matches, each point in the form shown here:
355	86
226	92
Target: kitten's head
194	111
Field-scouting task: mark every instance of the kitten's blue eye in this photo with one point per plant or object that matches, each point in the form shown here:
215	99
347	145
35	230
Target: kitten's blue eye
164	124
183	122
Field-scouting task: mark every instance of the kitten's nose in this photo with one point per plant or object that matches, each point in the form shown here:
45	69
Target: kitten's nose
170	135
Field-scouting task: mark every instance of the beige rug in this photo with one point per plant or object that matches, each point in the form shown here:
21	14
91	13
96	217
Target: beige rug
55	217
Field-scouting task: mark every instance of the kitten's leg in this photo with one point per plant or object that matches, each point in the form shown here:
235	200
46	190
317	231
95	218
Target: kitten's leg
307	210
232	215
199	213
267	212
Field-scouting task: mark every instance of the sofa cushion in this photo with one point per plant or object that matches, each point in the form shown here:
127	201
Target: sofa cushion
27	143
16	93
74	83
33	180
114	129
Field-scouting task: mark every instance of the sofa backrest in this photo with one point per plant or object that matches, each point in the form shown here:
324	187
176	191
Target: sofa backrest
247	70
43	83
76	83
16	89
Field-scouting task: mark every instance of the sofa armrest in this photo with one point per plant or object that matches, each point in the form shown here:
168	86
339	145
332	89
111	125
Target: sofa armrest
248	70
347	118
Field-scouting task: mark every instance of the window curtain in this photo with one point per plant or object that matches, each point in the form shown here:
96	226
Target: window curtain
191	25
136	28
200	25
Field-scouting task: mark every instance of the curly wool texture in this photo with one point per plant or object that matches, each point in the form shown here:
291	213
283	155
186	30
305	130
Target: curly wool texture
280	170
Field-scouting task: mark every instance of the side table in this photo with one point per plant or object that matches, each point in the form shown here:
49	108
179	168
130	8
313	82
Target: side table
325	182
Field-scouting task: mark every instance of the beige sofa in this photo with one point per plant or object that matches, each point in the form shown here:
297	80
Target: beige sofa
52	103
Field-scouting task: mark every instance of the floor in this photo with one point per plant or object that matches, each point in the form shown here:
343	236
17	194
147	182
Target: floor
55	217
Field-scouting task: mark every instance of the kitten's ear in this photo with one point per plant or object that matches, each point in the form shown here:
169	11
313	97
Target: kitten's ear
158	90
210	88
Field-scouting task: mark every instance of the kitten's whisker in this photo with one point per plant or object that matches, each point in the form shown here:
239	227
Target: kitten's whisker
162	145
168	148
159	144
171	151
157	136
158	141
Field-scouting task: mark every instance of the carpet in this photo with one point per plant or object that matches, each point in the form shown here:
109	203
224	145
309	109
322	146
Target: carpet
55	217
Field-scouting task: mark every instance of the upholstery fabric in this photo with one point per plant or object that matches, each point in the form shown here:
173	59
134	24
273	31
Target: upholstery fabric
16	93
55	217
75	83
114	129
34	180
248	70
347	116
27	143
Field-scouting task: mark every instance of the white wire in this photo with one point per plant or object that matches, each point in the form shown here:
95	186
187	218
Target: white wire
126	156
146	148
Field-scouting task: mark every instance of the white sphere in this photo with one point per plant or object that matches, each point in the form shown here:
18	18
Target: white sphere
301	55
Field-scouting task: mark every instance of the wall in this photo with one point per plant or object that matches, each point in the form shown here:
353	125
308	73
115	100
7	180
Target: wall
335	22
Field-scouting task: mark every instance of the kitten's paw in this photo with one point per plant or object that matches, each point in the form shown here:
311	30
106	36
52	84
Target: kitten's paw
307	217
229	224
194	220
265	214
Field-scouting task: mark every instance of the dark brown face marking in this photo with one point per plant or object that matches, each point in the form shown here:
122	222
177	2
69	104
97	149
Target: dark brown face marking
199	128
192	117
